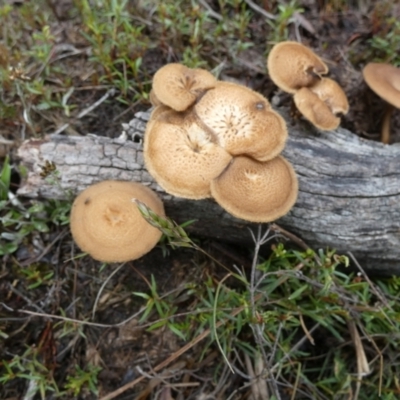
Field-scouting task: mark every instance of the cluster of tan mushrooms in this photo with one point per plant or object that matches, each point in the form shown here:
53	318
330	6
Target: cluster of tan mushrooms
209	138
296	69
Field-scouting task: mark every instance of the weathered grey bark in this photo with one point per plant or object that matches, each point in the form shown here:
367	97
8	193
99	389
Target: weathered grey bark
349	195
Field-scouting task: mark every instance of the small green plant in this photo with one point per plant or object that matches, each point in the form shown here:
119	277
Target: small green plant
28	367
384	42
36	275
384	47
82	380
18	221
5	179
284	17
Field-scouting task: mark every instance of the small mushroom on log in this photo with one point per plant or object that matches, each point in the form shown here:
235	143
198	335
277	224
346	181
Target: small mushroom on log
349	188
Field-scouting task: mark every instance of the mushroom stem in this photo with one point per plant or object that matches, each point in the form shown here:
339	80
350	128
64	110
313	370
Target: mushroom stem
385	134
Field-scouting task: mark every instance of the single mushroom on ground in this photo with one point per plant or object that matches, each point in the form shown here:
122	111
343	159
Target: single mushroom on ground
106	223
178	87
256	191
242	121
321	103
384	80
181	156
291	66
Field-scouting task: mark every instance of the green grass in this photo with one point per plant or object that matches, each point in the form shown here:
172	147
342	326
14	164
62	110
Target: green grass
296	309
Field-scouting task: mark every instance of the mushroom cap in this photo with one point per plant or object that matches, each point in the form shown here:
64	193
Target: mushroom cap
384	80
292	65
182	157
315	110
106	223
178	87
330	92
153	99
242	121
256	191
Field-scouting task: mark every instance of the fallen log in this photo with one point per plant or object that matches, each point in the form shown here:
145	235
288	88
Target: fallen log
349	196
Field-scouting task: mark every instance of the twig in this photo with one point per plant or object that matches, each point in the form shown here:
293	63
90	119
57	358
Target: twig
372	286
306	332
102	287
45	250
44	315
30	302
300	242
210	10
295	347
258	242
87	110
260	10
362	362
172	357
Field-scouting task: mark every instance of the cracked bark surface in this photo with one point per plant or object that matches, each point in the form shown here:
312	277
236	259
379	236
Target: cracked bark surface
349	196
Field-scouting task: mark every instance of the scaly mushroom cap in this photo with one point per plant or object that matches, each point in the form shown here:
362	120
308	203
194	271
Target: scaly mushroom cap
255	191
292	66
315	110
242	121
106	223
384	80
178	87
332	95
181	157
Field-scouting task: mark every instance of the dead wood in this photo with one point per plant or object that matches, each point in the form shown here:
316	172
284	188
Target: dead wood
349	195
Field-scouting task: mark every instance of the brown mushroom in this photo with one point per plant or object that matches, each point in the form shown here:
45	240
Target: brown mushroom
384	80
256	191
242	121
292	66
106	223
178	87
321	103
181	156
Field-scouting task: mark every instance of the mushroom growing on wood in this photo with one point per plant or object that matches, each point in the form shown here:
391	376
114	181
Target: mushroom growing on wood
106	223
384	80
181	156
178	87
242	121
256	191
292	66
321	103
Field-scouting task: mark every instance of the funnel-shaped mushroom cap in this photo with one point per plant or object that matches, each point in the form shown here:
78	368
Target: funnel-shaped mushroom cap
178	87
242	121
332	95
181	157
255	191
315	110
292	66
384	80
106	223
